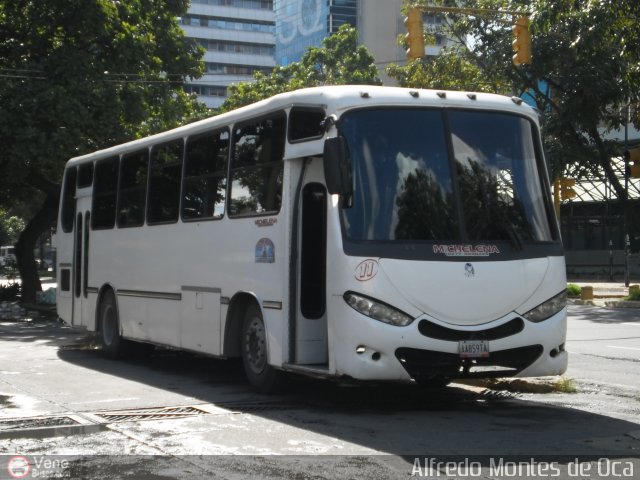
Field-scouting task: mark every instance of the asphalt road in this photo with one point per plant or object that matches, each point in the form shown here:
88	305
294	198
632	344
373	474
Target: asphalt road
176	415
604	346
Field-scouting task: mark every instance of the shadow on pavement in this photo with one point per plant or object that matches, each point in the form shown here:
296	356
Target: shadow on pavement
395	419
605	315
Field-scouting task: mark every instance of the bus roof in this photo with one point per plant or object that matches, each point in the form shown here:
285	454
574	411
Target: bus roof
335	99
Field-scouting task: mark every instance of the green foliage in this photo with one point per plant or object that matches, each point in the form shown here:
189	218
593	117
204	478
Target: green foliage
10	228
77	76
574	290
340	61
448	71
9	291
634	296
566	385
85	74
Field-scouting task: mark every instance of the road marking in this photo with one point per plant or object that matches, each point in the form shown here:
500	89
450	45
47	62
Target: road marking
623	348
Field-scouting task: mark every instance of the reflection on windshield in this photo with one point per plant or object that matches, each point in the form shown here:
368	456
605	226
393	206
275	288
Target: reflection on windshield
405	187
498	179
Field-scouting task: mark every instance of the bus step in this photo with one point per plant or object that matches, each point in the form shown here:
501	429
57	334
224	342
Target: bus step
319	371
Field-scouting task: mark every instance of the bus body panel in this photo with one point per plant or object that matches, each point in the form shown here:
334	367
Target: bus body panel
480	291
166	297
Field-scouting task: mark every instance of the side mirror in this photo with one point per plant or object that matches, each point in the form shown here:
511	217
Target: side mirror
337	167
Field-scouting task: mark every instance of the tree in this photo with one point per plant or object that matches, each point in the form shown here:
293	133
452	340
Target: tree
79	75
339	61
10	228
586	65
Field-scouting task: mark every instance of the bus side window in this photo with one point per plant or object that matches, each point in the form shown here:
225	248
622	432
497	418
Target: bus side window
306	124
85	175
69	199
205	175
164	182
133	188
256	167
103	209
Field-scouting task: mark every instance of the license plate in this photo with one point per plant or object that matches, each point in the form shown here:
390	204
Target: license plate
473	348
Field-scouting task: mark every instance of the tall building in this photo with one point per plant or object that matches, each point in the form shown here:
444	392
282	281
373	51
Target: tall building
245	36
301	24
304	23
239	39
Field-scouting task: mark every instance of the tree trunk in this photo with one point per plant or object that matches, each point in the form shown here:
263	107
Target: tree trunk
27	267
605	162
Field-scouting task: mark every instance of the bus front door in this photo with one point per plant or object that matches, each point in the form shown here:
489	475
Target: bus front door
311	324
80	275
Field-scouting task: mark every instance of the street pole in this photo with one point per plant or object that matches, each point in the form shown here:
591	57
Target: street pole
627	247
556	198
626	197
611	260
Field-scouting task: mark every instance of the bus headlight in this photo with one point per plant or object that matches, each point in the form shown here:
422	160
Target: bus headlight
548	308
377	310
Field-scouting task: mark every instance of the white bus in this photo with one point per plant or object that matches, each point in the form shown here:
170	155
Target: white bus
362	232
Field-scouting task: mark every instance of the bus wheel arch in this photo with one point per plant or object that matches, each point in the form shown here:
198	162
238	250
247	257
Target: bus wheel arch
233	323
246	337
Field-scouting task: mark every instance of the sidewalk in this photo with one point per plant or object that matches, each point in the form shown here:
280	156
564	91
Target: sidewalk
606	294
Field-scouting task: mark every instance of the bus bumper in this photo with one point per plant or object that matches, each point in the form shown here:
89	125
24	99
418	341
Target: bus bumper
372	350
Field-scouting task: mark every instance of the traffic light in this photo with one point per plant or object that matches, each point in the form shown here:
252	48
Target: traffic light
522	41
633	156
566	188
415	36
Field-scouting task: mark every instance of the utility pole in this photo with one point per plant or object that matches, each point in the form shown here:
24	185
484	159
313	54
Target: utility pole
625	215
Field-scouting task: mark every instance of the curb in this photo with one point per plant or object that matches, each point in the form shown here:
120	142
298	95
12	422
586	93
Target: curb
622	304
520	385
606	303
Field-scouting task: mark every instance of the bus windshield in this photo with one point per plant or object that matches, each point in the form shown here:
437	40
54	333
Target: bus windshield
443	175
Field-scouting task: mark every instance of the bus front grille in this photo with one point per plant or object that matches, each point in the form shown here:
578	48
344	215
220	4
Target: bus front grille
438	332
425	364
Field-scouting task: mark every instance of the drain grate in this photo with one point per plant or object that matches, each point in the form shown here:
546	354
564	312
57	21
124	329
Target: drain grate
38	422
156	413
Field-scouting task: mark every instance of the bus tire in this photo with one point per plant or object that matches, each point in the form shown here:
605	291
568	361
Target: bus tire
262	376
113	345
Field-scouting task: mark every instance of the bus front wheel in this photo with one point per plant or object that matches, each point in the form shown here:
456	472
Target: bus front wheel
112	343
260	374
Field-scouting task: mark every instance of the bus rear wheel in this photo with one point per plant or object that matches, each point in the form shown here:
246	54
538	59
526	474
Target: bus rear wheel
112	343
262	376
